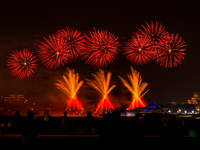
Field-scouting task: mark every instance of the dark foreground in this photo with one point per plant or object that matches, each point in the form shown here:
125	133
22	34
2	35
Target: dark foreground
98	141
95	132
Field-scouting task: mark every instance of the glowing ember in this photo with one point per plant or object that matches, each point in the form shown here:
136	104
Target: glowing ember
101	84
136	88
70	86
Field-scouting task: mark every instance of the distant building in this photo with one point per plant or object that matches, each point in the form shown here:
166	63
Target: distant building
195	99
180	108
14	99
9	104
174	103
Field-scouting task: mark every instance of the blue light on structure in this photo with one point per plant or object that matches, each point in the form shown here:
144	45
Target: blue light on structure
153	106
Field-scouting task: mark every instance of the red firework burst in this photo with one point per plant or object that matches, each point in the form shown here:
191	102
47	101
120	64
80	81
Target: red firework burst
156	34
101	48
21	63
53	52
172	51
139	49
74	42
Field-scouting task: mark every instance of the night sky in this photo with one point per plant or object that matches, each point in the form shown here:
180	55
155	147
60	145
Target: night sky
23	24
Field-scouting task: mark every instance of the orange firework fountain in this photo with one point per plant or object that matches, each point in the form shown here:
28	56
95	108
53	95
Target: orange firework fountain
101	84
70	86
136	88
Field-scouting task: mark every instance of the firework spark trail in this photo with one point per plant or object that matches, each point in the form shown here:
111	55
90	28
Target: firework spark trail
73	40
101	48
21	63
155	33
172	51
138	49
70	86
136	88
53	52
101	84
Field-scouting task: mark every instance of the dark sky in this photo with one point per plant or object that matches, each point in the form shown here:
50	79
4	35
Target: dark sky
23	24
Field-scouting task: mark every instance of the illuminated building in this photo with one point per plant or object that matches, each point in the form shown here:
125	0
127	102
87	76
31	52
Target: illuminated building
16	99
9	104
195	99
180	108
